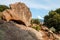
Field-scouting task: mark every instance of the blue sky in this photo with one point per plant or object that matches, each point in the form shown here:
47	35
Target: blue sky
39	8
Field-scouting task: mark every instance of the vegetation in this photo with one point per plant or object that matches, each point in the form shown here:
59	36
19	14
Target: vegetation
3	7
53	19
37	24
36	27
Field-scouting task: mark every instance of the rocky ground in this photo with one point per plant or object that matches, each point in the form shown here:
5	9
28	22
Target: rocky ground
13	31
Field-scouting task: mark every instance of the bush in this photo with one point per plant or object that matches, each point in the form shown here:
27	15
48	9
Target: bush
36	28
3	7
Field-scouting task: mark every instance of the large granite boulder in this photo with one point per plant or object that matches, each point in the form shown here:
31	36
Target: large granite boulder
13	31
18	12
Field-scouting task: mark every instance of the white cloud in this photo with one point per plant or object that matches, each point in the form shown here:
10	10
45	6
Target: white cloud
34	4
38	6
31	4
39	17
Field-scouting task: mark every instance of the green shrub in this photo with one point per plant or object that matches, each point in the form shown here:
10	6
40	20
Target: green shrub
3	7
36	28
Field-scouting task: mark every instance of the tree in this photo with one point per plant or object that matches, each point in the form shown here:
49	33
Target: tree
53	19
58	10
3	7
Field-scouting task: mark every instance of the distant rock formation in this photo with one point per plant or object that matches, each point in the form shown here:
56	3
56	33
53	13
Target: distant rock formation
18	12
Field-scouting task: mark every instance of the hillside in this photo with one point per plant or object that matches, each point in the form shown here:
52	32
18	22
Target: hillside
15	25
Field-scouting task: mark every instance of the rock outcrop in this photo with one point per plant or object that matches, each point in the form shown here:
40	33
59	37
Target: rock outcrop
18	12
13	31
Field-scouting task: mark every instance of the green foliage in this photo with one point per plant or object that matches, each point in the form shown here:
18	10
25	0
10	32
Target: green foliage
58	10
3	7
36	28
35	21
53	19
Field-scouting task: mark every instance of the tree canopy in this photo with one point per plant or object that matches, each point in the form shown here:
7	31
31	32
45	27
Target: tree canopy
3	7
53	19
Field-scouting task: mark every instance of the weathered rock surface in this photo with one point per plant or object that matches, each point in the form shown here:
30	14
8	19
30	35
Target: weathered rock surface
18	12
13	31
